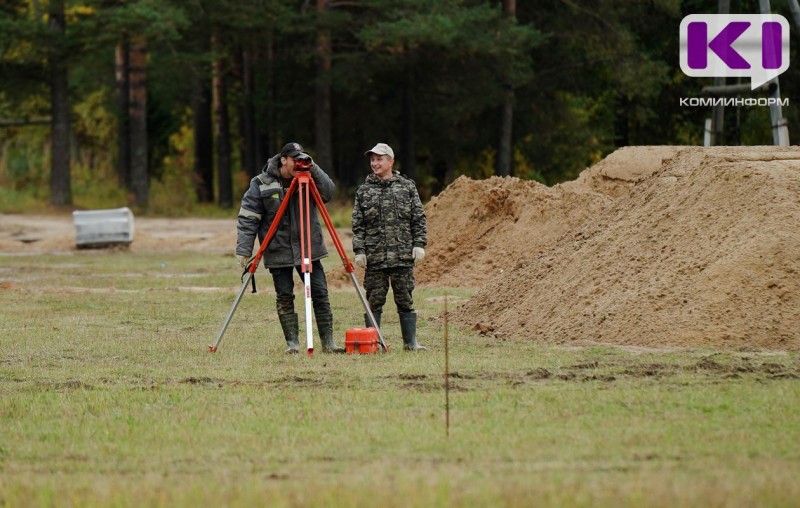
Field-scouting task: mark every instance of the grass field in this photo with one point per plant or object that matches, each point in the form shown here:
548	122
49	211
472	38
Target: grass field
108	397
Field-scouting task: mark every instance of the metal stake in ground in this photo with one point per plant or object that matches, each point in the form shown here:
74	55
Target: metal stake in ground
446	374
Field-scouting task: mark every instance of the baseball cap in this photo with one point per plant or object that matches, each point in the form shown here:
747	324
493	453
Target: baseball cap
291	150
381	149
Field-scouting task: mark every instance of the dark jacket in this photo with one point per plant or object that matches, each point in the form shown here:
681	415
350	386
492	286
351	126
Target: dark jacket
259	206
388	221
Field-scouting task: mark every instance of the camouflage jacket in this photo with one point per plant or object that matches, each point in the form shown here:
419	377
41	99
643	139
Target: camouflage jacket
259	206
388	221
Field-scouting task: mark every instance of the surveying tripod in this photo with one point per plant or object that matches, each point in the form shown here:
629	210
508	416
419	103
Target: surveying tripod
304	184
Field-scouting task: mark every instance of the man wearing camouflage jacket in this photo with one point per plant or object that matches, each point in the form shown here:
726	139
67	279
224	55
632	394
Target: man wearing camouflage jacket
389	236
259	206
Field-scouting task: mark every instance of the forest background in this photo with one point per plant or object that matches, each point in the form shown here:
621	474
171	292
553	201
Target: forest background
170	106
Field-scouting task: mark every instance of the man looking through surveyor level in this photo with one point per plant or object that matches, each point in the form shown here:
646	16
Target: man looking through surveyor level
259	206
390	232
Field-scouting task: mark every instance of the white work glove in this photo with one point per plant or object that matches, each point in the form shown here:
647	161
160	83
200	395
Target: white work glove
242	260
361	260
418	253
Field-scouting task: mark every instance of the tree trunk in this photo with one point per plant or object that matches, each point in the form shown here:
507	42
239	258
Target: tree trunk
322	111
621	131
60	186
247	125
270	142
122	59
203	139
505	143
222	130
407	114
504	147
138	122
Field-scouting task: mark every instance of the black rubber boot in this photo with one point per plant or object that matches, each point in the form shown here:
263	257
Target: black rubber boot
290	332
376	315
325	327
408	326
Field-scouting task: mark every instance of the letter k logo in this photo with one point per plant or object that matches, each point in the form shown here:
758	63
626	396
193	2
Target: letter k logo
721	45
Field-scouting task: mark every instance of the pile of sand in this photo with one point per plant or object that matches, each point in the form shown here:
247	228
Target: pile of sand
479	230
702	249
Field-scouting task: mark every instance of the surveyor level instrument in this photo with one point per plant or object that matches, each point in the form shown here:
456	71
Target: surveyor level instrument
305	187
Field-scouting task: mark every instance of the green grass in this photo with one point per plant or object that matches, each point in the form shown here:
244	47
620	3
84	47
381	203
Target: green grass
108	396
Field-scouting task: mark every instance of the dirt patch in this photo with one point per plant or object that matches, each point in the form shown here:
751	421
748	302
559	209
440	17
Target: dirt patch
702	249
35	234
40	234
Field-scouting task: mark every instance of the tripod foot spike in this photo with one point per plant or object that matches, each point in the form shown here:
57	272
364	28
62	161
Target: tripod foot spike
310	351
212	349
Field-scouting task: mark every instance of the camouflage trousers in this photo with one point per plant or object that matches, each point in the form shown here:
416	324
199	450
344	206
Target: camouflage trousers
376	284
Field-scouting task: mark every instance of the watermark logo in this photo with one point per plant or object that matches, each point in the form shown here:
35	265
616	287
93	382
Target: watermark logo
735	45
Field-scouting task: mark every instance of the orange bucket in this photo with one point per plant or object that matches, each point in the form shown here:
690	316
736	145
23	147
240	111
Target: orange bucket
361	340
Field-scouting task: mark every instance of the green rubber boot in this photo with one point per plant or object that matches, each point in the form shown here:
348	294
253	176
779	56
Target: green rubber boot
408	326
376	315
325	327
290	331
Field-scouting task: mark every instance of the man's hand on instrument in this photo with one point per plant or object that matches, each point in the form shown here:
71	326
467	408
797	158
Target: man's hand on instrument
242	260
361	260
417	253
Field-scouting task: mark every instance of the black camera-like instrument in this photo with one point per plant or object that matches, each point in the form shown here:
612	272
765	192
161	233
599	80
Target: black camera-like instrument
303	162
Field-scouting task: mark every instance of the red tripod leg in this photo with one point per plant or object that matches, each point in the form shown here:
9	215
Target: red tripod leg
305	253
273	227
212	348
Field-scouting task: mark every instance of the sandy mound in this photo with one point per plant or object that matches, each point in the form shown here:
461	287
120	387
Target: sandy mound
621	170
480	229
703	251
